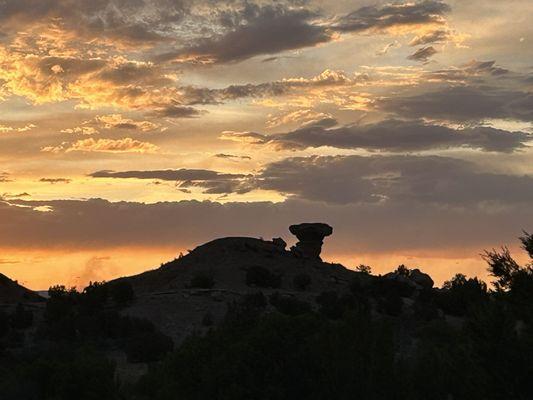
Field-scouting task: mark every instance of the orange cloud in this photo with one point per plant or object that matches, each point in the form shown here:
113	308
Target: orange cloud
126	145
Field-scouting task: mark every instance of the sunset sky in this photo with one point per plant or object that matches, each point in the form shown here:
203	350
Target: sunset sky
132	130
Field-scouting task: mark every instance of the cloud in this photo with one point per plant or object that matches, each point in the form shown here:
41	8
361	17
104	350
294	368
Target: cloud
387	47
25	128
124	23
463	103
125	145
436	36
210	182
54	180
358	228
263	30
383	179
388	135
298	116
423	54
4	177
376	19
232	156
117	121
92	82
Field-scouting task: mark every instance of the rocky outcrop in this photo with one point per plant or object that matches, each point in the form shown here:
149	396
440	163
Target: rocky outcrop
310	239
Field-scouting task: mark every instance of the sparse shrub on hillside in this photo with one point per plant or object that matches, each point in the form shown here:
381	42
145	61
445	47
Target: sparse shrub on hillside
254	300
262	277
301	282
121	292
21	318
333	305
202	281
289	305
148	347
391	304
364	269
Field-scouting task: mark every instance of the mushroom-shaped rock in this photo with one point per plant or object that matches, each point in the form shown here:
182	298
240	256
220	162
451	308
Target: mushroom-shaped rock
310	238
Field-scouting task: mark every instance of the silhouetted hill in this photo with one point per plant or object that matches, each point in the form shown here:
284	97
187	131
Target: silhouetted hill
12	293
243	318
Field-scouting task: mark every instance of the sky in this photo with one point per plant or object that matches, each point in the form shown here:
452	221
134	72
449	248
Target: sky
133	130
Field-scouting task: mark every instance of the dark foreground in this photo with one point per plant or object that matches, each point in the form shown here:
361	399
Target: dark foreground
282	335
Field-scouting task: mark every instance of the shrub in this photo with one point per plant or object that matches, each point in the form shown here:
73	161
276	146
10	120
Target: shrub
289	305
262	277
332	305
301	282
460	294
364	269
254	300
148	347
202	281
21	318
121	292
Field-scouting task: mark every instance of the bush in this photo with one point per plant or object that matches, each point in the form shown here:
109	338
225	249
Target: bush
262	277
121	292
289	305
461	294
21	318
4	323
254	300
334	306
301	282
148	347
202	281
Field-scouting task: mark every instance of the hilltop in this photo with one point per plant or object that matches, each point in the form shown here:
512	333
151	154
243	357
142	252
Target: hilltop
12	293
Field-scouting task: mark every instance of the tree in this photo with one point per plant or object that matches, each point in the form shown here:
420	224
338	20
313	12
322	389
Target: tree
502	266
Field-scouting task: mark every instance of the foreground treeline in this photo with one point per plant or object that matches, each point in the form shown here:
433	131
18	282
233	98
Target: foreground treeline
381	339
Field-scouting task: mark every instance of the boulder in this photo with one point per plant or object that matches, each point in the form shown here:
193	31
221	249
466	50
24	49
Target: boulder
421	279
310	239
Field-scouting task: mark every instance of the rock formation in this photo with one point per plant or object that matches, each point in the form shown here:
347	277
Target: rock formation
310	238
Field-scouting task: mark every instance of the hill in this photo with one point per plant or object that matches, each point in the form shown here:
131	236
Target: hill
245	318
12	293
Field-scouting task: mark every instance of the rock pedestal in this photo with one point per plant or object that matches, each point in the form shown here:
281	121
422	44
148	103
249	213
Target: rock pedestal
310	238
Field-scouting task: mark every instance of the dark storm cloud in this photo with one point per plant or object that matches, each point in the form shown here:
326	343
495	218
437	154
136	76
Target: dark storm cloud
389	135
375	18
464	103
377	179
267	30
423	54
